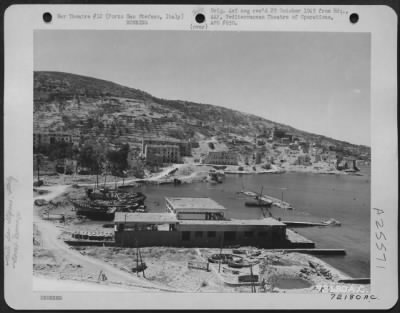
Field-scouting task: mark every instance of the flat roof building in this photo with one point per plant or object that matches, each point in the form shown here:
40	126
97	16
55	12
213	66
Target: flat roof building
141	218
195	208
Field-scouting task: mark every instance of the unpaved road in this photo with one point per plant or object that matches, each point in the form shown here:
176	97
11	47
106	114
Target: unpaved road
66	255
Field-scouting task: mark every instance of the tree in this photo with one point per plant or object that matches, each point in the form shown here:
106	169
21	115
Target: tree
118	158
60	150
90	157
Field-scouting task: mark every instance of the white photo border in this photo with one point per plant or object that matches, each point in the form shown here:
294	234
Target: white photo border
20	23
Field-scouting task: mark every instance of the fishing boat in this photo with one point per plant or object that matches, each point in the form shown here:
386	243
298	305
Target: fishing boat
109	203
94	210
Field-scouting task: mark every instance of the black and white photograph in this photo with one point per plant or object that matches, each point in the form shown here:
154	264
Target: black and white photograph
209	156
160	163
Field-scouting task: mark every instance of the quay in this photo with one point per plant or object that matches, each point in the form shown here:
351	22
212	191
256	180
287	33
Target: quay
302	224
313	251
355	281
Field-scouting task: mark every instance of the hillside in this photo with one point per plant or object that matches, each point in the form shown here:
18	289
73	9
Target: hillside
114	114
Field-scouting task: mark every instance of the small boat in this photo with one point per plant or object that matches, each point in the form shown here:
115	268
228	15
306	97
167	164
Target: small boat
223	258
248	278
257	203
239	264
332	222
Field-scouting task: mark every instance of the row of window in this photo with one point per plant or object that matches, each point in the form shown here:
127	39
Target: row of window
228	235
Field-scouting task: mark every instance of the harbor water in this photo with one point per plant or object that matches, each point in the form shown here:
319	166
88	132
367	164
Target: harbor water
315	198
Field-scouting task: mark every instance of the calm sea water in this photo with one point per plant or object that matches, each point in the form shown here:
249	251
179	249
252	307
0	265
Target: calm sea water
314	197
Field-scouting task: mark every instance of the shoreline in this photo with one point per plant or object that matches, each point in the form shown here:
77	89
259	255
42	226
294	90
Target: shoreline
286	266
185	173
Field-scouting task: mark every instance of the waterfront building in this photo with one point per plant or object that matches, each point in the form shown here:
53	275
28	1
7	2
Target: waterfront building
189	222
221	158
161	154
185	148
195	208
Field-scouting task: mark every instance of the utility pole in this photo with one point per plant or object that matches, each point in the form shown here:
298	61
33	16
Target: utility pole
97	173
253	287
137	260
142	263
105	176
38	167
220	253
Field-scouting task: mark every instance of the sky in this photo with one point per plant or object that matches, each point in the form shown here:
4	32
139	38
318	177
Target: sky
313	81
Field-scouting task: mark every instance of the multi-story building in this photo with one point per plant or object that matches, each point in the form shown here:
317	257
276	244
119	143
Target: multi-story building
221	158
160	154
48	137
185	148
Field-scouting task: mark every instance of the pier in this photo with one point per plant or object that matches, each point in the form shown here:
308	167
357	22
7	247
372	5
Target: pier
355	281
303	224
313	251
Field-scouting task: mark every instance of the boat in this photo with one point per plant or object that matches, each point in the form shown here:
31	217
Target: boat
332	222
104	209
223	258
238	263
257	203
215	177
94	210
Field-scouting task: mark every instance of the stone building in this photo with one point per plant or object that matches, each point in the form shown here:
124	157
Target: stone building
50	137
185	148
221	158
160	154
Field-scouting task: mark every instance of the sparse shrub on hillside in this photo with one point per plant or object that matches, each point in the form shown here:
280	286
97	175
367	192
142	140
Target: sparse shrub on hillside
211	146
54	91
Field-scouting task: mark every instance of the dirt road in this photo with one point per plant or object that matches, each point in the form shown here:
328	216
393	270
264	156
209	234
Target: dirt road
65	255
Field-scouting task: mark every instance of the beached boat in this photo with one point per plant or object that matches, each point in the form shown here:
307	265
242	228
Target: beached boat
93	210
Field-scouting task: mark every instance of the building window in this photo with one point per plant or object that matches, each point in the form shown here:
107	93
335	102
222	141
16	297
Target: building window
248	234
229	235
186	235
198	234
211	234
